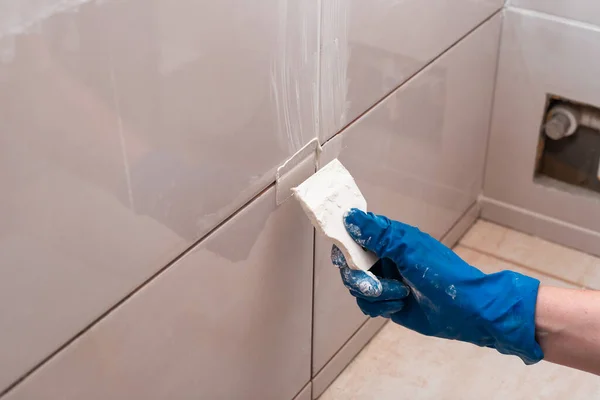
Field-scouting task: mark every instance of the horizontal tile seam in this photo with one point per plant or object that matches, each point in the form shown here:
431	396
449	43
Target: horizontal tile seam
362	347
521	265
534	214
157	274
473	208
553	17
314	375
415	74
128	296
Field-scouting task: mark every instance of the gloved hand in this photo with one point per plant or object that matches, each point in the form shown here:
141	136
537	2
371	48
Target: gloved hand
422	285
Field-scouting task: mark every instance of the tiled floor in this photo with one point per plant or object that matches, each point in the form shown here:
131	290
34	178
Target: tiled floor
399	364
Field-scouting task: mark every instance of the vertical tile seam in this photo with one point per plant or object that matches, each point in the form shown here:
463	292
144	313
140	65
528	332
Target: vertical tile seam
492	106
318	132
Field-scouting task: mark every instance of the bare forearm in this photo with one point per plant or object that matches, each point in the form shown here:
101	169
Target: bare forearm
568	327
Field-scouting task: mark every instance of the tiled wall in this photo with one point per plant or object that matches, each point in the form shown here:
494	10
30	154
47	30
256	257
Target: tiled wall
142	252
547	47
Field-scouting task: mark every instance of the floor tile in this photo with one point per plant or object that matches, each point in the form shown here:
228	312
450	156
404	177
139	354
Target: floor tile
489	264
579	268
399	364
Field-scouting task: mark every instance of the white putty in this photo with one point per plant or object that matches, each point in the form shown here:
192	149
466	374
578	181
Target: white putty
451	291
325	198
294	73
335	56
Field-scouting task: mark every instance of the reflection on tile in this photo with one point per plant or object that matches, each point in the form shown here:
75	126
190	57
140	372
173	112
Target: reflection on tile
128	130
371	47
222	323
579	268
410	160
418	155
400	364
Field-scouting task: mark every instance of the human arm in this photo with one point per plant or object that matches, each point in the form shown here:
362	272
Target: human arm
568	327
448	298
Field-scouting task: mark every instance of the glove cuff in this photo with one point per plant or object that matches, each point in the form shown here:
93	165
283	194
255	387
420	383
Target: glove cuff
513	317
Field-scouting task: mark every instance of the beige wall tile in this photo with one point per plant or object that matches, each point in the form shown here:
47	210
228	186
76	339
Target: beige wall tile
579	268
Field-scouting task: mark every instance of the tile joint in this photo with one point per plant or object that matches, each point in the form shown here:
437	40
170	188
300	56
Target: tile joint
296	170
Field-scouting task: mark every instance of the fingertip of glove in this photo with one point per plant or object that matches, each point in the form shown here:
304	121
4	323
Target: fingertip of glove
364	283
384	309
358	224
352	222
396	289
337	257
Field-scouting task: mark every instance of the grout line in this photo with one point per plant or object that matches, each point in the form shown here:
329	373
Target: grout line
341	348
460	219
138	288
360	350
554	18
294	397
312	304
120	302
538	216
319	114
518	264
415	74
493	104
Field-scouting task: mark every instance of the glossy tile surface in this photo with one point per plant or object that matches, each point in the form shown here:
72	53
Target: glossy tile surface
579	10
418	155
371	47
230	320
129	129
539	56
400	364
579	268
336	315
418	158
345	355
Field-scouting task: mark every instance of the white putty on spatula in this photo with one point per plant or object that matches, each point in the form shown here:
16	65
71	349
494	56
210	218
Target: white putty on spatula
325	197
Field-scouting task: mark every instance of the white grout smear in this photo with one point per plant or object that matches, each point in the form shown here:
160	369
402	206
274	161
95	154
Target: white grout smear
335	55
294	72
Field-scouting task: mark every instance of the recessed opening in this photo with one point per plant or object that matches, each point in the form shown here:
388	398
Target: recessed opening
569	145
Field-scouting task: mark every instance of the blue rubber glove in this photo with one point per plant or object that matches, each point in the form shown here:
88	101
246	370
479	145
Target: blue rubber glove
447	297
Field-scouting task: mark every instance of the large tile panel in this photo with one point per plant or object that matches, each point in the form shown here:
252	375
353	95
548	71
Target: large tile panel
539	56
371	47
580	10
230	320
417	157
128	130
